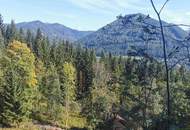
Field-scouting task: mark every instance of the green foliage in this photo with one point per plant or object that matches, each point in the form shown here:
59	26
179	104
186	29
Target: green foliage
2	45
19	80
11	32
21	35
101	99
56	83
50	95
84	65
26	126
37	43
74	120
68	89
69	84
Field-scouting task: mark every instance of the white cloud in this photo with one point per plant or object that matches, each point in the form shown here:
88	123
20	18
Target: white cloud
123	6
177	17
106	6
187	13
65	15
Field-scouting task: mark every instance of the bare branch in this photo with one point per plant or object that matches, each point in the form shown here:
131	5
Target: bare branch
166	64
154	7
170	25
179	25
163	6
174	65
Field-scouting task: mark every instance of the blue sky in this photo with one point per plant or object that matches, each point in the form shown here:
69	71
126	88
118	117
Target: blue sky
89	14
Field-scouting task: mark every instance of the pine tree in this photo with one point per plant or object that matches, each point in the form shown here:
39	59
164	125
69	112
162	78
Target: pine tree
44	51
69	88
1	94
68	53
88	62
21	35
53	55
101	99
60	53
93	56
79	63
102	56
38	41
2	27
2	45
20	78
11	109
11	32
29	39
50	89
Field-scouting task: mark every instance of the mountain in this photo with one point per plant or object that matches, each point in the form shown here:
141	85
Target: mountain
121	37
133	32
54	31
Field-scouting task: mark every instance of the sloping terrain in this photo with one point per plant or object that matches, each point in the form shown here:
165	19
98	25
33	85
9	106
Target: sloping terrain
54	31
133	31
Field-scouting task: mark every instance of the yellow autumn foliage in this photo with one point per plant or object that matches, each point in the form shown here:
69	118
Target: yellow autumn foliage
23	59
69	75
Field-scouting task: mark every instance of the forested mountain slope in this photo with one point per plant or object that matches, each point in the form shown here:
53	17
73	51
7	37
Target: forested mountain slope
54	31
133	31
54	83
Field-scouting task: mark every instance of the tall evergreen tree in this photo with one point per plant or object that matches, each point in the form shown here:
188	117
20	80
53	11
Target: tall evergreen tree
44	51
88	62
53	55
21	36
38	41
2	27
51	93
11	32
20	79
1	22
60	53
69	88
29	39
2	45
102	56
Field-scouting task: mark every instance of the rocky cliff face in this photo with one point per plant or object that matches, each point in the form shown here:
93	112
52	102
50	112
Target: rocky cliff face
135	31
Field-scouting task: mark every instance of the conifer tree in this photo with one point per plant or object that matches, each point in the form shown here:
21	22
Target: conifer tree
37	43
79	63
1	22
21	35
60	53
102	56
93	56
29	39
69	88
2	45
44	51
20	79
11	32
50	89
2	26
88	62
53	55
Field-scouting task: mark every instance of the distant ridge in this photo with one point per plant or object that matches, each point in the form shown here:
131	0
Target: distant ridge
54	30
119	37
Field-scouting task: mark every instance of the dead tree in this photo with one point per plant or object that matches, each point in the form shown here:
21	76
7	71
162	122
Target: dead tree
158	13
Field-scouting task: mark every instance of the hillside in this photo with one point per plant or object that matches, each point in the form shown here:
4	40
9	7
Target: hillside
121	37
132	31
54	30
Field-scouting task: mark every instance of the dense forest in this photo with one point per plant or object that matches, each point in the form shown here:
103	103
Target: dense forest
45	81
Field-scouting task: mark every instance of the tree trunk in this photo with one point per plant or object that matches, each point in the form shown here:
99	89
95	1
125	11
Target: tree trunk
166	65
